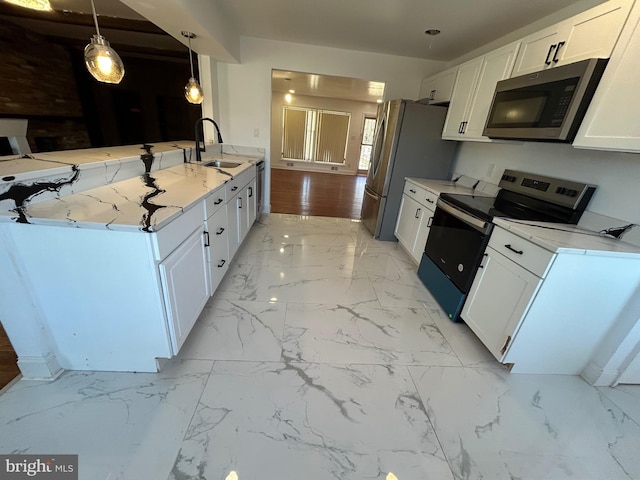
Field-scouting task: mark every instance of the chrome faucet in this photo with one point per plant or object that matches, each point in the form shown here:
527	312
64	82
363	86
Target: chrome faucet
199	135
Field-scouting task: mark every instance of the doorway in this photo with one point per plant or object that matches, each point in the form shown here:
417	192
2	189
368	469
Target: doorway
322	130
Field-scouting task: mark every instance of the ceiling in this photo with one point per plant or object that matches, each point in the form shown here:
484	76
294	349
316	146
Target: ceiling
395	27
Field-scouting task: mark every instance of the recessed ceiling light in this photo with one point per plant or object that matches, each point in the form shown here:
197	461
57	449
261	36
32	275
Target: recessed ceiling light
432	31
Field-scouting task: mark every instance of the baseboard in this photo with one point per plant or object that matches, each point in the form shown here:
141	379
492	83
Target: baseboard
595	375
44	368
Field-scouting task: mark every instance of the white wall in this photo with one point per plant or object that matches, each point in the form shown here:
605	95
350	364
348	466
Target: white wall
245	88
615	174
358	112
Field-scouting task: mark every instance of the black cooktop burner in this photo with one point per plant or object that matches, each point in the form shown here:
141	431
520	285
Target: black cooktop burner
482	207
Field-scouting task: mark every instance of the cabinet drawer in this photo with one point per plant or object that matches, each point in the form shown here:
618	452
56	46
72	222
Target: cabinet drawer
215	201
421	195
526	254
174	233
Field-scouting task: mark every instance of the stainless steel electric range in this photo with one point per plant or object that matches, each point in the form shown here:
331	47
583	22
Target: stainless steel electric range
461	228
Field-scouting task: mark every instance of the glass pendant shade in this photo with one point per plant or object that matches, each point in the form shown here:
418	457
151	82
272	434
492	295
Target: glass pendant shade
102	61
42	5
193	91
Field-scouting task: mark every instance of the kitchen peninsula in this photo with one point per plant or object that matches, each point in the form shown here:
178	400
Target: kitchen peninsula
113	277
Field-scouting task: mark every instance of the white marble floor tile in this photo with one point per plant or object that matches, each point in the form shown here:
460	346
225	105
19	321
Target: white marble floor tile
405	290
286	421
237	330
315	284
341	257
122	425
364	334
234	281
626	397
495	425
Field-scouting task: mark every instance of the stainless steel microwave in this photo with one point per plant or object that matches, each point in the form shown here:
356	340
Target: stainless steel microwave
544	106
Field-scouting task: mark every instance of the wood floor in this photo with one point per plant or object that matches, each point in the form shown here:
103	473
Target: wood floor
316	194
8	360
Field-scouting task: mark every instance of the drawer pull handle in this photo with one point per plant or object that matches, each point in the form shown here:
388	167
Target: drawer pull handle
506	345
429	200
250	192
483	257
429	222
418	213
234	188
221	264
219	232
218	201
519	252
412	190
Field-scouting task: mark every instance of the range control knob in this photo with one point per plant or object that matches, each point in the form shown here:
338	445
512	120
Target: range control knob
572	193
561	190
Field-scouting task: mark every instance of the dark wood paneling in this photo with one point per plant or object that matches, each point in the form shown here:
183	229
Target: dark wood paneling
8	360
316	194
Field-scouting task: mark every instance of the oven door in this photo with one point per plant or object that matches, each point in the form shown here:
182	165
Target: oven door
456	243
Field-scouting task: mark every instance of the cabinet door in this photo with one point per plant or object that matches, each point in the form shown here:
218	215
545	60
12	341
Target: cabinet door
594	33
251	203
537	50
233	224
463	92
243	213
407	223
612	121
424	225
185	281
444	86
497	301
218	247
496	66
428	88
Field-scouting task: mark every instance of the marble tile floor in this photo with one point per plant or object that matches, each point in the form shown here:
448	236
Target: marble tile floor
322	356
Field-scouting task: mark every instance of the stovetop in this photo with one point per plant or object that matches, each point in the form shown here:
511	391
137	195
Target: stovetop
526	196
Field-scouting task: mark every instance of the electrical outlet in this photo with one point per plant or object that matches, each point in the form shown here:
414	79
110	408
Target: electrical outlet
289	164
334	168
256	132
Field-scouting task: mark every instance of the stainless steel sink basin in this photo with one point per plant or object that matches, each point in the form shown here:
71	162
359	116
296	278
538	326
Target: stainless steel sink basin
222	164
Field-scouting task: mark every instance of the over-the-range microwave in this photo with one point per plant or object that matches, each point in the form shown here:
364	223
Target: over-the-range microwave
544	106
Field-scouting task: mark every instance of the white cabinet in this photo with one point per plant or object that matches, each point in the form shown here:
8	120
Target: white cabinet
439	87
543	306
497	300
241	208
252	203
612	121
591	34
185	282
473	93
414	219
218	247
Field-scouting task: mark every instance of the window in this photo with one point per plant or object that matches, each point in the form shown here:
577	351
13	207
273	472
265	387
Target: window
315	135
368	131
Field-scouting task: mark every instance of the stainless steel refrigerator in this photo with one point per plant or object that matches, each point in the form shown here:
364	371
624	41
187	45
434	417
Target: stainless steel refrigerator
407	143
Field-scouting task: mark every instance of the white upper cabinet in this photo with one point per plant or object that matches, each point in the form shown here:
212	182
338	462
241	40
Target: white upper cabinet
439	87
612	121
591	34
473	93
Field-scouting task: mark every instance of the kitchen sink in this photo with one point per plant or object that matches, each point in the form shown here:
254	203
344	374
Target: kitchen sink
222	164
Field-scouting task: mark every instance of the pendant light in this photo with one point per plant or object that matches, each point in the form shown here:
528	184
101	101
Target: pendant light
192	90
42	5
101	60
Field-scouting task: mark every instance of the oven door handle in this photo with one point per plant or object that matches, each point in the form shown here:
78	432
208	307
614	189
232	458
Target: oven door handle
472	221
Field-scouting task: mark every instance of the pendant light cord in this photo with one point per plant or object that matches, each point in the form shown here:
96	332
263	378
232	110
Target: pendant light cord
190	59
95	17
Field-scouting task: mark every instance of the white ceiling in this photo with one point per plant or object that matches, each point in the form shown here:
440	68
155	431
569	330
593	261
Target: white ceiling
326	86
388	26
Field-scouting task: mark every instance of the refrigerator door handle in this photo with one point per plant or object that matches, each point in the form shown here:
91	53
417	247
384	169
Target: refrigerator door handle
378	143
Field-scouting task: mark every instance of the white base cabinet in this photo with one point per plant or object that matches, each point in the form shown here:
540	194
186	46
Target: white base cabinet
542	311
185	281
414	219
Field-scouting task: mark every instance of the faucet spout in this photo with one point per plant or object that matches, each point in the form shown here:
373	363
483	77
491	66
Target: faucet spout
200	135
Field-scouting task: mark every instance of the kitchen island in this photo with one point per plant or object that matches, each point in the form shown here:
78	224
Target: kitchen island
114	277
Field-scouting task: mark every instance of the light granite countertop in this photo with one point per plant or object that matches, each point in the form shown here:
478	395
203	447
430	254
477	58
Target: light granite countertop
145	202
563	238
